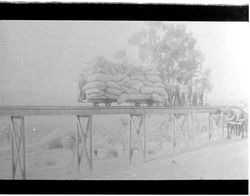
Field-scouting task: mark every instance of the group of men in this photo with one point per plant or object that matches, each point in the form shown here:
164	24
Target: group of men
182	94
236	122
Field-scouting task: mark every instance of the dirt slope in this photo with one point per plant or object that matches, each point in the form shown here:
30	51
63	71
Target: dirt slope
226	161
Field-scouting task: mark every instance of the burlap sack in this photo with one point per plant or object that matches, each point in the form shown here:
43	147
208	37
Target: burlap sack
95	96
114	91
130	90
144	97
160	91
103	71
96	84
112	70
153	73
99	77
135	97
87	73
125	82
122	98
146	90
80	83
138	77
137	85
159	84
95	91
110	96
148	84
145	69
152	78
157	98
112	84
118	77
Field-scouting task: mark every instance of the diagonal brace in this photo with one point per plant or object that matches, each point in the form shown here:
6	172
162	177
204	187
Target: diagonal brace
18	146
82	135
138	142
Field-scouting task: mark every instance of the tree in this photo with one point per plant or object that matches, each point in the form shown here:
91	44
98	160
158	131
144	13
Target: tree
205	80
204	85
170	49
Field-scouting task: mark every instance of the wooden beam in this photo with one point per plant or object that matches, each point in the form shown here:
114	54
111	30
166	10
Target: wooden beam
24	148
138	128
86	110
144	136
209	127
84	135
173	130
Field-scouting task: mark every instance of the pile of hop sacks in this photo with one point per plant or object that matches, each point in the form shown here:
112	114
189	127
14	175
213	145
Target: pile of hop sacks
121	82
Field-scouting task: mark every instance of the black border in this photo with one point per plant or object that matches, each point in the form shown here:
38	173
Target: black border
227	187
131	12
122	11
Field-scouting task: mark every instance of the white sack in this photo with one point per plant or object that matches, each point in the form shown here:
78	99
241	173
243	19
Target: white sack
152	78
146	90
114	91
122	98
112	84
96	84
111	96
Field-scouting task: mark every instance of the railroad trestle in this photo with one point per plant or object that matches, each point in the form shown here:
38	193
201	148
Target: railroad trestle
137	116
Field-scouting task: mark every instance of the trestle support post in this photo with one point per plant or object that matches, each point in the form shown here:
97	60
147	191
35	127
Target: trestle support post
18	149
82	136
138	129
209	127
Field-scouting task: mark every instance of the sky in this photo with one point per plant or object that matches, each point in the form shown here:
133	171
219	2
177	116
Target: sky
40	60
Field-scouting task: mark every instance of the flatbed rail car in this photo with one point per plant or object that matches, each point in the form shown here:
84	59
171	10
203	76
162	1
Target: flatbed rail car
108	102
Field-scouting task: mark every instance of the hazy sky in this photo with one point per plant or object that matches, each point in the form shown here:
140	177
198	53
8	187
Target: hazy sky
39	60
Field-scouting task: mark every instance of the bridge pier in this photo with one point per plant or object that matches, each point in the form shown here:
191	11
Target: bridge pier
138	127
173	130
209	127
175	124
82	135
18	154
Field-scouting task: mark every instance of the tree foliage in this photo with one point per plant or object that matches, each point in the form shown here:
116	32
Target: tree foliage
204	80
171	49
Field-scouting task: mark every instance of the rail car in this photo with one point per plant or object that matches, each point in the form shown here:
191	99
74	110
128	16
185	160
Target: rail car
108	102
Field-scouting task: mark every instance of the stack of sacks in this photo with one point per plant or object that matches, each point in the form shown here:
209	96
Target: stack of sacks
153	86
143	84
82	80
106	80
103	86
101	81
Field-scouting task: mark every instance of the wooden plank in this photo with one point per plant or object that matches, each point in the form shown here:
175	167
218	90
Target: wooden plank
188	128
144	136
209	127
81	110
12	151
90	141
16	146
24	148
173	129
130	139
77	148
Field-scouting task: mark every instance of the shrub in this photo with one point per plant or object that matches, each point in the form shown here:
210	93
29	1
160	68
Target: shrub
53	140
50	163
53	144
124	122
5	134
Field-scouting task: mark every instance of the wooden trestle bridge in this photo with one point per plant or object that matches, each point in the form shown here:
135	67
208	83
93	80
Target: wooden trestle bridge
18	113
